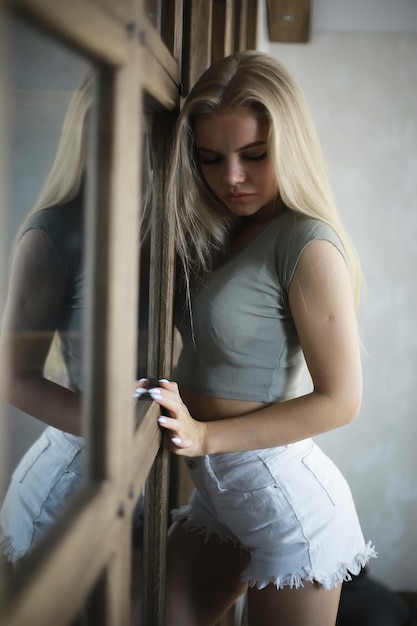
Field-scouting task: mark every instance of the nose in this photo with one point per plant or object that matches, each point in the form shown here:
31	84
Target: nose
234	172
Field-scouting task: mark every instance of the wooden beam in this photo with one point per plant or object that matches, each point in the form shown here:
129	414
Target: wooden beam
251	24
162	295
122	321
288	20
222	31
92	28
161	77
146	442
171	27
240	24
197	40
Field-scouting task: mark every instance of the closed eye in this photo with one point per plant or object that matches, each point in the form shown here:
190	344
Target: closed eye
206	160
255	157
210	160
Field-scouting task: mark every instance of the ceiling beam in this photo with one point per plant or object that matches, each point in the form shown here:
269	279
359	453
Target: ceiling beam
288	20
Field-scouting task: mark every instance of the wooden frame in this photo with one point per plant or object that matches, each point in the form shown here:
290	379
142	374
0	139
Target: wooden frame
88	551
223	29
288	20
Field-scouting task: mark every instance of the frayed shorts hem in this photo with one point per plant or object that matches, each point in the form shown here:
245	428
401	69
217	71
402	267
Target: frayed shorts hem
191	523
343	571
343	574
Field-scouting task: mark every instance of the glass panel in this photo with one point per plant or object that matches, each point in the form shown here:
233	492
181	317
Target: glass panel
147	337
152	11
42	315
149	183
147	175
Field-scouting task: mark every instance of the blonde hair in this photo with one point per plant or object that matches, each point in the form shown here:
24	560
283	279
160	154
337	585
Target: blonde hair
256	81
63	183
66	175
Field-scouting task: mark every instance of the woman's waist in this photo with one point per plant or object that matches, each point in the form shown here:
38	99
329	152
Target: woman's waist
249	461
211	408
64	438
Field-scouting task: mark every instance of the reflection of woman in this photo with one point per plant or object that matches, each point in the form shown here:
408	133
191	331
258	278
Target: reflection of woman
46	298
270	280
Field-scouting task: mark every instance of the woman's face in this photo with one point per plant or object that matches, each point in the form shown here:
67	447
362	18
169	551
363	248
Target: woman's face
232	147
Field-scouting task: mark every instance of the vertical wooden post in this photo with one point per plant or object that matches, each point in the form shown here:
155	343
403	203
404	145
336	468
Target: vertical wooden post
113	315
156	490
197	40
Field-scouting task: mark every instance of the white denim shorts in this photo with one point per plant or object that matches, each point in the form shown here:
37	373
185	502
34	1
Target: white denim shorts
49	473
290	507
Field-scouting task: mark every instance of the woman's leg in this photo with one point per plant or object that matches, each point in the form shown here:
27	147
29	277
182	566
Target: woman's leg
203	578
310	605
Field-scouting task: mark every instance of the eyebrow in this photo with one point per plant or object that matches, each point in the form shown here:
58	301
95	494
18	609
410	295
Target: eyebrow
255	144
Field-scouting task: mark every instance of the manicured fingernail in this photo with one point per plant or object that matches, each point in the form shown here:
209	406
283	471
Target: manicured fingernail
176	440
162	420
163	380
155	393
143	380
139	392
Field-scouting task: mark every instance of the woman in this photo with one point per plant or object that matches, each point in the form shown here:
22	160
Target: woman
269	283
46	299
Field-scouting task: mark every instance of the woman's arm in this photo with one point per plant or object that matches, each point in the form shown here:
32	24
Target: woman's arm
322	306
36	297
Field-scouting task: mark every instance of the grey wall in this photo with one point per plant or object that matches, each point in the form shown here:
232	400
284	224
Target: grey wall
359	73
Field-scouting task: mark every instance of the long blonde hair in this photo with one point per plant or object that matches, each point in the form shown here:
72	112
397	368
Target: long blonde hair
63	183
256	81
66	174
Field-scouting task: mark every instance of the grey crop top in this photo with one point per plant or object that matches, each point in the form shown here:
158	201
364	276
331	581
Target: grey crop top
63	225
244	344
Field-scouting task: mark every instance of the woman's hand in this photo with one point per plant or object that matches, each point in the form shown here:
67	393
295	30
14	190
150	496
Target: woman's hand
140	388
187	435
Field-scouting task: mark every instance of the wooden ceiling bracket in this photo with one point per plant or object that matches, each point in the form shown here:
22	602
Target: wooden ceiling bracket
288	20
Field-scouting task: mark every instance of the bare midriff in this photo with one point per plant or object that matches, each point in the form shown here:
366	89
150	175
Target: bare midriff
207	408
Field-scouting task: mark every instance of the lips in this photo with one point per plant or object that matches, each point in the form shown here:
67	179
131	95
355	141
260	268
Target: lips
236	198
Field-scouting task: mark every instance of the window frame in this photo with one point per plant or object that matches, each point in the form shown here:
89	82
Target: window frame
88	551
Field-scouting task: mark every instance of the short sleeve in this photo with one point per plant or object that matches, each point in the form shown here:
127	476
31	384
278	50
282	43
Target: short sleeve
63	227
294	235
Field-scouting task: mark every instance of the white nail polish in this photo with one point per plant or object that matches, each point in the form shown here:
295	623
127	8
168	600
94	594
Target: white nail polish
176	440
139	392
163	380
143	380
162	420
155	394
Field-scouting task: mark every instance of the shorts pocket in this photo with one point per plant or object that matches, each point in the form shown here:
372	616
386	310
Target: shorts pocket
326	473
68	483
247	477
45	461
30	458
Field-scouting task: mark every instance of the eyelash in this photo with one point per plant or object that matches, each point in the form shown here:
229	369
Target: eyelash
259	157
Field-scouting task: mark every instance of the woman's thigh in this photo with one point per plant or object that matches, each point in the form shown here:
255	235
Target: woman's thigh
310	605
203	577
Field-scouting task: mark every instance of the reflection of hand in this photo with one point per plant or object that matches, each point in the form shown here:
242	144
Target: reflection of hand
140	388
187	435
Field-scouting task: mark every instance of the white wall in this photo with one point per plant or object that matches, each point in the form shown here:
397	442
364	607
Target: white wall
359	73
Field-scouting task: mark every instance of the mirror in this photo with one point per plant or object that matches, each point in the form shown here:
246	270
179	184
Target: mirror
152	11
42	315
